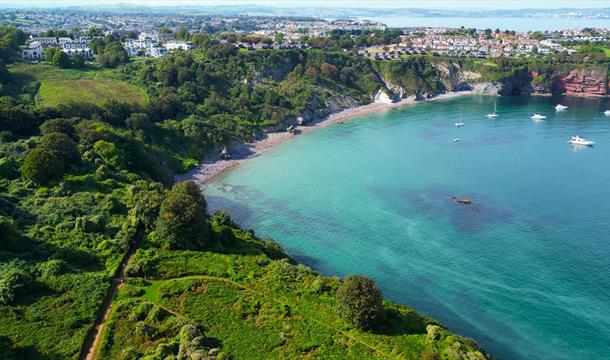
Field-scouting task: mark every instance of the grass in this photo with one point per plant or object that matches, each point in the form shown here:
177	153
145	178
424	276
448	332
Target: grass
88	85
251	306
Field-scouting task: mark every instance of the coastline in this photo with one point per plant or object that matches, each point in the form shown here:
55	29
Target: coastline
213	166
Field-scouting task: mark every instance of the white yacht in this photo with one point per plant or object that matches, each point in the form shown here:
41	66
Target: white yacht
577	140
560	107
607	112
538	117
456	140
495	113
459	124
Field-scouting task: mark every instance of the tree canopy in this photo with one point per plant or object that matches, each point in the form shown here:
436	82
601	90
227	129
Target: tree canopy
359	302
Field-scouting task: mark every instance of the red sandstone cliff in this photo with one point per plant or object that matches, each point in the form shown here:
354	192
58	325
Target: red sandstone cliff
591	81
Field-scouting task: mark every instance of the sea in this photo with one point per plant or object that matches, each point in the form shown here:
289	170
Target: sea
524	269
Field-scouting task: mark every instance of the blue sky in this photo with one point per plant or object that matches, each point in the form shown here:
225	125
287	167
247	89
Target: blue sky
429	4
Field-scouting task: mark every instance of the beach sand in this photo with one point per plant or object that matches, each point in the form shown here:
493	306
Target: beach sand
213	166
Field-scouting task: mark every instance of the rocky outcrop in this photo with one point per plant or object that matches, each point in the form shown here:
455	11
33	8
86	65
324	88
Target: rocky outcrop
591	81
382	97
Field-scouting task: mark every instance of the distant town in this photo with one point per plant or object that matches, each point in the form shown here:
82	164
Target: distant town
156	36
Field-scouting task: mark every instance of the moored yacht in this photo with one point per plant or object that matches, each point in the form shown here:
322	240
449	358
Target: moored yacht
459	124
495	113
560	107
538	117
577	140
607	112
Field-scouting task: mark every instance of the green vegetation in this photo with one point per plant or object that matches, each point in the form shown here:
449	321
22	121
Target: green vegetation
248	300
359	302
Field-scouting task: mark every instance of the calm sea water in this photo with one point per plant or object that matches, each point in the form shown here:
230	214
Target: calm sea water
524	270
504	23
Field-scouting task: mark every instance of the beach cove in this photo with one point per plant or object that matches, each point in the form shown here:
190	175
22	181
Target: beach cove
522	270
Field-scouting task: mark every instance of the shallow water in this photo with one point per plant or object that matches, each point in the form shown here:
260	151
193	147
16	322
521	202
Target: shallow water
524	269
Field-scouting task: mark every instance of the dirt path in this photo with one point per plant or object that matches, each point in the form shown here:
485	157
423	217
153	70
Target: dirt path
95	334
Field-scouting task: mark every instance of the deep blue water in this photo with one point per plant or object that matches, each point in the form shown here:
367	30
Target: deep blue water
524	270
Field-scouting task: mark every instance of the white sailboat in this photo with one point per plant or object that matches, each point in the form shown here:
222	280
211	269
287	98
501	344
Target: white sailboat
538	117
607	112
495	113
459	124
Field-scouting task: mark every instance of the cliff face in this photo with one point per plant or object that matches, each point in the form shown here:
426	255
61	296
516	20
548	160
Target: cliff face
589	81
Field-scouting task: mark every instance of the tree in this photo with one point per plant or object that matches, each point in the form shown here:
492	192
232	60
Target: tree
61	144
61	60
359	302
42	165
279	38
10	40
58	126
182	222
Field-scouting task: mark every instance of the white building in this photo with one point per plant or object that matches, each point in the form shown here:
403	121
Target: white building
175	45
155	51
80	47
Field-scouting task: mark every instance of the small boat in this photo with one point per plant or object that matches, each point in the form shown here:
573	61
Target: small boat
607	112
456	140
538	117
560	107
495	113
577	140
459	124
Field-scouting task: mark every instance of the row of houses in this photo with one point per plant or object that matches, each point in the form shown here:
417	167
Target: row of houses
149	47
34	50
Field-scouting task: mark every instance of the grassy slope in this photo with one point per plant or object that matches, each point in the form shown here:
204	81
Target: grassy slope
254	307
58	86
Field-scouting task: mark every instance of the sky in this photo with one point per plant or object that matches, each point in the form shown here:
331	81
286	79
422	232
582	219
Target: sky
429	4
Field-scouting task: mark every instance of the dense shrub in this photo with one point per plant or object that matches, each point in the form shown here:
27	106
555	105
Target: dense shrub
14	279
63	145
359	302
42	166
9	168
182	220
58	126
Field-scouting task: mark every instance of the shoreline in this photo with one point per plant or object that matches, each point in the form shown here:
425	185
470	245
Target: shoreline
213	166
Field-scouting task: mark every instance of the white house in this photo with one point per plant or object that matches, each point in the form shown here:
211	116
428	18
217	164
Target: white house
175	45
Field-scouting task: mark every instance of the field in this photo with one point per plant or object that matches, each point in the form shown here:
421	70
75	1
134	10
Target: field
52	86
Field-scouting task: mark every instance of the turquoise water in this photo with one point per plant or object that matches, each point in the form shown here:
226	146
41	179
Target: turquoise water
524	270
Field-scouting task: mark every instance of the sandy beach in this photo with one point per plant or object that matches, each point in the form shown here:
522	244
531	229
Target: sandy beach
213	166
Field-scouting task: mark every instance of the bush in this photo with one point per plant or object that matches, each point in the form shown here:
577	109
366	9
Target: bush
62	144
58	126
9	168
51	268
13	280
182	220
10	236
359	302
42	166
145	331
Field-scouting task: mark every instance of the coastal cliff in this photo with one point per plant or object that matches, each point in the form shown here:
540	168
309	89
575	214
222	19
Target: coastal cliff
489	78
591	81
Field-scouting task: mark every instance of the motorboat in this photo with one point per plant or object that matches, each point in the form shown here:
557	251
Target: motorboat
607	112
456	140
495	113
560	107
459	124
538	117
577	140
